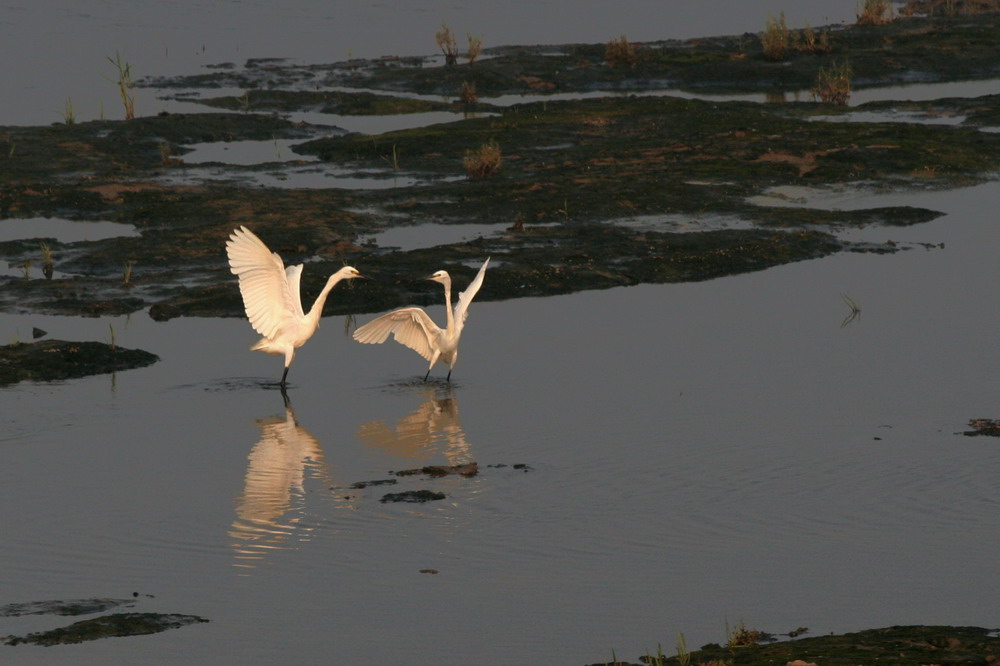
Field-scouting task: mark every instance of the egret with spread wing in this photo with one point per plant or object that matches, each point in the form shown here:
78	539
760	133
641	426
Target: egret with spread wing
413	327
271	296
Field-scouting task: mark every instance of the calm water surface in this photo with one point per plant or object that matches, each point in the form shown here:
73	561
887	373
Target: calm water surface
698	453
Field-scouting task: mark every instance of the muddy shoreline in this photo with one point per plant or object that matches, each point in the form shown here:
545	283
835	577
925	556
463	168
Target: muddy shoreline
591	192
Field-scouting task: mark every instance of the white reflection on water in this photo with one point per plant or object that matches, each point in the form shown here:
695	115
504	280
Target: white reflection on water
432	427
270	509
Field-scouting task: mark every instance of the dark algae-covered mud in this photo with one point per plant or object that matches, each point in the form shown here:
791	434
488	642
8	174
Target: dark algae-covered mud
49	360
575	175
892	646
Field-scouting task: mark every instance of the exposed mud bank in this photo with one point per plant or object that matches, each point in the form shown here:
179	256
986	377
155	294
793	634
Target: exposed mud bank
592	192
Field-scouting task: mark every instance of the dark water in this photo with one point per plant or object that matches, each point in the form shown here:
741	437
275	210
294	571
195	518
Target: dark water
697	453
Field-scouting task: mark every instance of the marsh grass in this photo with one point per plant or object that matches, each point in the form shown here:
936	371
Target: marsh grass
621	53
949	7
741	636
127	276
483	161
26	267
775	38
69	115
47	269
807	41
467	95
445	39
475	48
683	654
875	12
125	84
833	84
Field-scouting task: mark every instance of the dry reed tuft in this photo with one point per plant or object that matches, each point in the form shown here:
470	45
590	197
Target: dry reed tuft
833	84
775	38
445	39
484	161
807	41
621	53
475	48
467	95
875	12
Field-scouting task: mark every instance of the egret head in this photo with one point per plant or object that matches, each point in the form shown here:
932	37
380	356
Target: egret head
439	276
348	273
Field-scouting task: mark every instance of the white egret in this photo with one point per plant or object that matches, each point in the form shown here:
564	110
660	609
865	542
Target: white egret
271	296
415	329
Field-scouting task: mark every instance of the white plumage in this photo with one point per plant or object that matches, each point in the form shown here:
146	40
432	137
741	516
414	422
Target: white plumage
271	296
413	328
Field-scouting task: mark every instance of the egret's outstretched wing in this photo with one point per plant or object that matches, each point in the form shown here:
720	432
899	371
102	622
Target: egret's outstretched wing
263	282
412	327
465	298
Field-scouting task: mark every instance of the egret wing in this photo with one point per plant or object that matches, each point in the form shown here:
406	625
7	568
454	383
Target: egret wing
412	328
264	282
293	275
465	298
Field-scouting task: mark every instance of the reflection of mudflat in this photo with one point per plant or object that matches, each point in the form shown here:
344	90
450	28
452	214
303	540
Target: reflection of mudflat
273	500
433	426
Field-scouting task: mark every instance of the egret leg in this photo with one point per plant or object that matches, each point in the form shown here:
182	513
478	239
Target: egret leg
428	374
283	376
448	378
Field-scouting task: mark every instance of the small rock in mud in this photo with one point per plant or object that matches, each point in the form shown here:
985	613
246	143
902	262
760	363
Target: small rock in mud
990	427
413	496
108	626
357	485
468	469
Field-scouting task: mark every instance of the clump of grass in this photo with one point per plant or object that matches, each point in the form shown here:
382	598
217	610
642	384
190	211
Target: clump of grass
69	115
740	636
127	277
775	38
445	39
484	161
833	84
807	41
47	269
26	267
683	654
125	84
875	12
467	95
475	48
621	53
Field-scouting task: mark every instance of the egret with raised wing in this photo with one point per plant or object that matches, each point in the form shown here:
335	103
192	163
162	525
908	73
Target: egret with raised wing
413	328
271	296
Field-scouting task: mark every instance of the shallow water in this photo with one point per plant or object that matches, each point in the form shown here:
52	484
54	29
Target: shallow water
698	452
67	42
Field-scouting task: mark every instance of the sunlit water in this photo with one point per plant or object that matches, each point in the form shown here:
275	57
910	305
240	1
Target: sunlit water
696	454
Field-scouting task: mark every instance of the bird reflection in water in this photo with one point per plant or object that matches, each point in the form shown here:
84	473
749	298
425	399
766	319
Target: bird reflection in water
433	427
270	512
